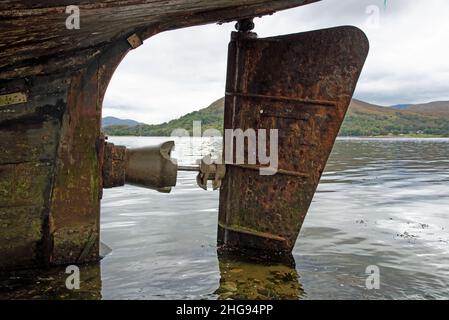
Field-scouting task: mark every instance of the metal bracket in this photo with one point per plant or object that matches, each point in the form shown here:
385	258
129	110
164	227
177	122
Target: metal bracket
13	98
245	25
251	232
207	170
134	41
210	171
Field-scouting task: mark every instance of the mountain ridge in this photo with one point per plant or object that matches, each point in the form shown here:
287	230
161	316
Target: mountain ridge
362	119
113	121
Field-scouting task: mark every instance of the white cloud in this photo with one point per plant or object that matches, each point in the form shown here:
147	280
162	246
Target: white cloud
184	70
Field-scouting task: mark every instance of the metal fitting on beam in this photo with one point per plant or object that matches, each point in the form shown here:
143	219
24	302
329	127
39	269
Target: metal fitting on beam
149	167
245	25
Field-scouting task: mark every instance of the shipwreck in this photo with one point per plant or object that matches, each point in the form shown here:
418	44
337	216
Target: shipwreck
55	161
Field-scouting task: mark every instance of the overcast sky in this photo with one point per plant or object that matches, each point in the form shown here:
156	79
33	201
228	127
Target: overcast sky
184	70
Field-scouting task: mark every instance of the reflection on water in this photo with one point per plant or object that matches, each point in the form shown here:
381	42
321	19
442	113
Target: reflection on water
380	202
239	279
51	284
246	280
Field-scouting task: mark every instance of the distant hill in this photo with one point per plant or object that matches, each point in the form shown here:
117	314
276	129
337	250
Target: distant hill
211	117
365	119
362	119
440	108
400	106
112	121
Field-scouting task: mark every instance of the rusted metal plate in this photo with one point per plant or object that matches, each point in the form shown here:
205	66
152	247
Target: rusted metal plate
134	41
301	85
12	98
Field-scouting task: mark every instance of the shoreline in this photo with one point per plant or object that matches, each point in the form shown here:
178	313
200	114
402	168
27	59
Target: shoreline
339	137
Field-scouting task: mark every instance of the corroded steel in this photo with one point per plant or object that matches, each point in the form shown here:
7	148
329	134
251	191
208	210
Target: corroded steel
300	84
114	166
210	171
245	25
152	167
12	98
149	167
134	41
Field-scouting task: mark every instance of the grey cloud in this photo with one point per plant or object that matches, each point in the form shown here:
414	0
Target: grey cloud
184	70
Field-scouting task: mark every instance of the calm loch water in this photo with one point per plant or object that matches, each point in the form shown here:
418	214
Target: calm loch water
381	202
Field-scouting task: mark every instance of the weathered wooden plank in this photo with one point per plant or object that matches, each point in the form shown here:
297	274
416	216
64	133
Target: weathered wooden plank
24	184
21	236
26	142
24	190
62	63
46	98
29	138
34	31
